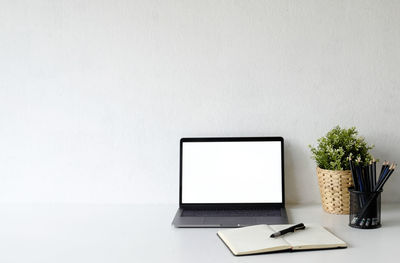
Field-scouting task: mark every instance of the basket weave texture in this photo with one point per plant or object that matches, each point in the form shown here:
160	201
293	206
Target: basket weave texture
333	187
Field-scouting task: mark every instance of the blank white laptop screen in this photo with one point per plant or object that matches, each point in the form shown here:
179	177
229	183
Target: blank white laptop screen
232	172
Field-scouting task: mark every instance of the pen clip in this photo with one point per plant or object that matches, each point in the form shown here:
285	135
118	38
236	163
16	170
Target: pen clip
299	228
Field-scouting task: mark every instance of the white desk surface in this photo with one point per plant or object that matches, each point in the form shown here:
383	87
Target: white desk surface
138	233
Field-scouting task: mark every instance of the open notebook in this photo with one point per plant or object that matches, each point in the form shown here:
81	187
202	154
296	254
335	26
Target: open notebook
256	239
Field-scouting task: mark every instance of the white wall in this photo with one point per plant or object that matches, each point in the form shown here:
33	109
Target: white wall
94	95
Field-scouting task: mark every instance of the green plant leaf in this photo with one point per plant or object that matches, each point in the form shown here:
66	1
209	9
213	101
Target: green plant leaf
337	145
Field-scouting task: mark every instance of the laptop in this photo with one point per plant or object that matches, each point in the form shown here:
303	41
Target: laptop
231	182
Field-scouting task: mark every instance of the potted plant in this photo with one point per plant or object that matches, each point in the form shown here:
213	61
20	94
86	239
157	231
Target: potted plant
333	171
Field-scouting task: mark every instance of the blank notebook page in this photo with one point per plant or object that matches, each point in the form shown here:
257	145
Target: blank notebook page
314	236
252	239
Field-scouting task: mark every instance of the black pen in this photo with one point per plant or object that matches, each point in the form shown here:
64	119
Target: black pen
290	229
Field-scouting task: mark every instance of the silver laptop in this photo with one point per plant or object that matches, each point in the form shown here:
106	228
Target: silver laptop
231	182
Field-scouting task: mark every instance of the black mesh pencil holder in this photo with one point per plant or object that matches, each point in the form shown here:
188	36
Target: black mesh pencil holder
365	209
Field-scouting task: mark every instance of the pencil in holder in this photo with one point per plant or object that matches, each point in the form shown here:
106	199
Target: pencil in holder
365	209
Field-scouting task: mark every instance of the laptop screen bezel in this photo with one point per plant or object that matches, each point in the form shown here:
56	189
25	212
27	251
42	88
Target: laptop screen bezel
231	205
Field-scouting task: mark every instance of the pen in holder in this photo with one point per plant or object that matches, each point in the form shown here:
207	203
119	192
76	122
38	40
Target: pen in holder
365	209
365	196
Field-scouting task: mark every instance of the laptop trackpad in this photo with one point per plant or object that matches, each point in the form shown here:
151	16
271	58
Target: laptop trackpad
230	221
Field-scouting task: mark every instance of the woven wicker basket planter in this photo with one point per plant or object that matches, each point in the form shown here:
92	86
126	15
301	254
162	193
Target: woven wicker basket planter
333	186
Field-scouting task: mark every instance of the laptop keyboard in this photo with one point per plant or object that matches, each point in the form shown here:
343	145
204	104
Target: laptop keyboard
231	212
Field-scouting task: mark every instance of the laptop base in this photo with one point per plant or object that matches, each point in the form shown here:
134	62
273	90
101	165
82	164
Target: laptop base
215	220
